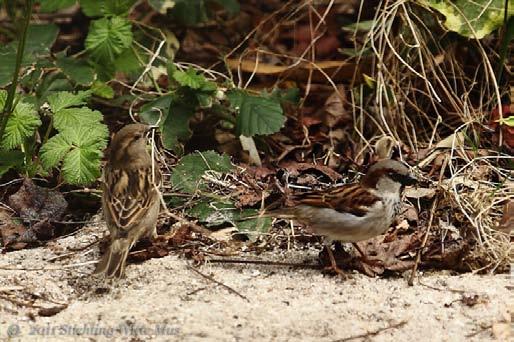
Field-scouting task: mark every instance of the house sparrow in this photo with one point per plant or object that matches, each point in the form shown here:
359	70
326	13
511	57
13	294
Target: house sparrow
352	212
130	199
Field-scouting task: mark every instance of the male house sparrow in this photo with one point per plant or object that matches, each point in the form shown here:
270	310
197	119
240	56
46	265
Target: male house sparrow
130	199
352	212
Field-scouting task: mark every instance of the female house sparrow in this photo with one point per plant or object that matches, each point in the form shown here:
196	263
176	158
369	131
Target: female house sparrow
353	212
130	199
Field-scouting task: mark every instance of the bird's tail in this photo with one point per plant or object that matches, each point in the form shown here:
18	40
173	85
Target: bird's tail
113	261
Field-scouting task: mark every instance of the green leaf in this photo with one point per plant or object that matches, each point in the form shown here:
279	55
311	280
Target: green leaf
77	70
189	12
189	78
9	160
75	117
464	16
64	99
128	62
187	175
79	149
174	119
231	6
218	213
108	38
40	39
98	8
21	125
509	121
257	114
54	150
102	89
54	5
365	25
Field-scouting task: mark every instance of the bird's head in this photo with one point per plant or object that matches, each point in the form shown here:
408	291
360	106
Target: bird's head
129	144
388	175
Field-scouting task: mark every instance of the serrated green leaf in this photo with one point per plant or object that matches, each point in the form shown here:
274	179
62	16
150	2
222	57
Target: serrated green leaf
187	176
54	150
473	19
77	70
189	78
108	38
21	125
102	89
79	149
256	114
9	160
82	165
64	99
97	8
70	118
54	5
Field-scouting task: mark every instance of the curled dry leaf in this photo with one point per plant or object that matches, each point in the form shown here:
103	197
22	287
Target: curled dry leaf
38	207
507	222
334	111
295	169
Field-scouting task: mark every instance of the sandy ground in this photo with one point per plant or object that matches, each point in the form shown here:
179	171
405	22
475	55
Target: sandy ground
164	300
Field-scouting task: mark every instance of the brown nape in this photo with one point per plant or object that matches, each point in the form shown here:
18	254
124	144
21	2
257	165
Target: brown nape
370	180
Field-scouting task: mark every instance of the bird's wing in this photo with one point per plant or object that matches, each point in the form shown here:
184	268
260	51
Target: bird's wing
352	198
128	194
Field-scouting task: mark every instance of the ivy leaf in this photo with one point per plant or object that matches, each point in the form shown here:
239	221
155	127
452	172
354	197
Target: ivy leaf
64	99
108	38
79	149
257	114
77	70
21	125
473	19
174	119
187	176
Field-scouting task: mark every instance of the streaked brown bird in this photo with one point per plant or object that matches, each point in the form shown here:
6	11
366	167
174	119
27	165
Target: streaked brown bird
352	212
130	199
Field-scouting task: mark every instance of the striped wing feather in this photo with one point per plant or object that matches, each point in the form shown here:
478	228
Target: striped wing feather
352	198
128	194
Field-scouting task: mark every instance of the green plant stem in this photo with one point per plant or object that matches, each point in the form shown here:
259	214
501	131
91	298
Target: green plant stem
8	109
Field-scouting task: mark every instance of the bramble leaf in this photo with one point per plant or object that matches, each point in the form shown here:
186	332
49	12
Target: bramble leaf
108	38
187	176
256	114
21	125
79	149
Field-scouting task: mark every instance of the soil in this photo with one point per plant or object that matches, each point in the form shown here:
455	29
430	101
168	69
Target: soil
165	299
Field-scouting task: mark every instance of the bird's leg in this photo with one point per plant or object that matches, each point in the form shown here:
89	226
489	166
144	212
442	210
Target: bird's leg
333	264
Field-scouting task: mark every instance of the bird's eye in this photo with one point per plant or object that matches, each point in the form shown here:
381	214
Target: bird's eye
138	136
